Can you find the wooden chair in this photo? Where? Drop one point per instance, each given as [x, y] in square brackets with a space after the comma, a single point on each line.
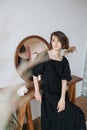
[82, 103]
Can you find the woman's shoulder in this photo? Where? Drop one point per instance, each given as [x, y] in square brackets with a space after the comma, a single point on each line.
[42, 56]
[65, 60]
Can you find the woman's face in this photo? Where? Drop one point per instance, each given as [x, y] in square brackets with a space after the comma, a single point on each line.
[56, 44]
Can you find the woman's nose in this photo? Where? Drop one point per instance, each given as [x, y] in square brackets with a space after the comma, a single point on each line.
[56, 43]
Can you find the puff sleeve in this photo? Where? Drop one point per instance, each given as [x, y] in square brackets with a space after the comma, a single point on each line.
[38, 69]
[66, 75]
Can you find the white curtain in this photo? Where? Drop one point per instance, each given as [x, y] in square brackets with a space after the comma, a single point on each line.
[84, 83]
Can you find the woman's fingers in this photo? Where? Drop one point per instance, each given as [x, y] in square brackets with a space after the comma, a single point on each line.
[60, 107]
[39, 98]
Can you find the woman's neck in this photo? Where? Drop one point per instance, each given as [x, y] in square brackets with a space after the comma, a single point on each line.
[56, 52]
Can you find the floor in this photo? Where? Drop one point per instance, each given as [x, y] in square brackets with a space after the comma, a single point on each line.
[36, 123]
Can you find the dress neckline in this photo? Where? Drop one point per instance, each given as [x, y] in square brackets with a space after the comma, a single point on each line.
[54, 59]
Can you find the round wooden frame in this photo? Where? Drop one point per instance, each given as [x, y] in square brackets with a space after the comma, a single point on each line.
[22, 43]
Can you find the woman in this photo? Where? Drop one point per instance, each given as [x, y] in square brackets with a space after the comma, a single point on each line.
[57, 112]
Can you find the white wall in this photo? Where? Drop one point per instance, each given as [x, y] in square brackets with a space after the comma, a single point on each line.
[21, 18]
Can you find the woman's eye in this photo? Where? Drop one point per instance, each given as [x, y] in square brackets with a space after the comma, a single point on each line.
[53, 40]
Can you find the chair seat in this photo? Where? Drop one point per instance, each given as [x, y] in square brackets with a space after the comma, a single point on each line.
[82, 103]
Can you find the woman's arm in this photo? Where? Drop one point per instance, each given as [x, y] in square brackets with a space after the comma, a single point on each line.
[37, 92]
[64, 88]
[61, 103]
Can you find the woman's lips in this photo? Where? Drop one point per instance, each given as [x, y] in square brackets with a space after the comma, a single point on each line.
[55, 46]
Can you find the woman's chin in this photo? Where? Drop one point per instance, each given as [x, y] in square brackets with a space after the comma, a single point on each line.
[56, 49]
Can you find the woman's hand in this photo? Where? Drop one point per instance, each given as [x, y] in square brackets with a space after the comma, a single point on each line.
[61, 105]
[38, 96]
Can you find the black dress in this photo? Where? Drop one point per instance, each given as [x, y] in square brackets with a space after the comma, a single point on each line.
[72, 118]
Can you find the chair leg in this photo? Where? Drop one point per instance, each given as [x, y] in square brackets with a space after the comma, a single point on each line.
[29, 117]
[72, 93]
[21, 116]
